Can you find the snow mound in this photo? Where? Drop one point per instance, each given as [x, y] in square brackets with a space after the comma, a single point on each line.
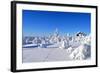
[53, 46]
[81, 53]
[42, 46]
[70, 50]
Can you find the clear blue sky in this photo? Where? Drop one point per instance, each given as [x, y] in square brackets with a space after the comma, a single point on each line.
[40, 23]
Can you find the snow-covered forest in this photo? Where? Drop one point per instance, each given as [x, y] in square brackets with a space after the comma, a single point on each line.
[76, 46]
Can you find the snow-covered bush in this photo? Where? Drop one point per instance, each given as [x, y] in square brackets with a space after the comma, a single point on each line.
[82, 52]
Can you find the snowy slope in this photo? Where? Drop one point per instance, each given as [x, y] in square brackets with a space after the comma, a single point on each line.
[58, 48]
[44, 54]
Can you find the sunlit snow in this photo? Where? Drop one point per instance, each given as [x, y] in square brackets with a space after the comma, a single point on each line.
[56, 47]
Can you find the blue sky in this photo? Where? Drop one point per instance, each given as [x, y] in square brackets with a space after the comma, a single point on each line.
[40, 23]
